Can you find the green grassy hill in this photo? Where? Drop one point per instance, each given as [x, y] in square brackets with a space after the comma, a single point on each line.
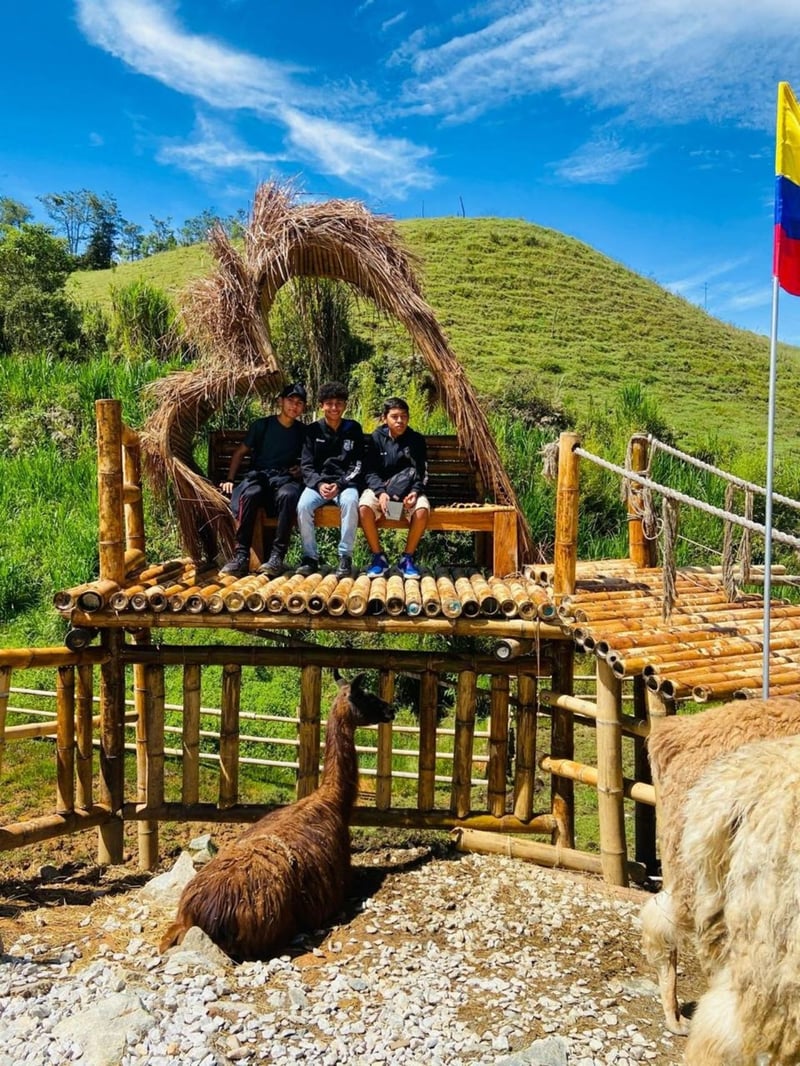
[527, 306]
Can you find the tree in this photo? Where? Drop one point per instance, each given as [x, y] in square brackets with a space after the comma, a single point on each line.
[31, 255]
[79, 213]
[195, 229]
[13, 213]
[129, 243]
[162, 237]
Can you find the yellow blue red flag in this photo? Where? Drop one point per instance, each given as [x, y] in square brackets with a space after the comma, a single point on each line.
[786, 250]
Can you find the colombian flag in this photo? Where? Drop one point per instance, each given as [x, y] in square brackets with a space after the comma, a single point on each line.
[786, 253]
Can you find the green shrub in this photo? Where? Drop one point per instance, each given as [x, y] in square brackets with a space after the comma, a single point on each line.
[143, 323]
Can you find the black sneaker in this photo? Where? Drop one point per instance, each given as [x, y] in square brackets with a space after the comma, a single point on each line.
[345, 567]
[238, 564]
[308, 565]
[273, 567]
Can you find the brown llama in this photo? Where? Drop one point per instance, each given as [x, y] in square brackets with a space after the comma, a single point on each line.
[289, 872]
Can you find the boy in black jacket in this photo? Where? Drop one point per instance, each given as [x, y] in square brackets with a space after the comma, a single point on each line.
[331, 466]
[273, 481]
[396, 464]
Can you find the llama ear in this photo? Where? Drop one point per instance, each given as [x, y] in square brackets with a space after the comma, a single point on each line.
[357, 684]
[338, 677]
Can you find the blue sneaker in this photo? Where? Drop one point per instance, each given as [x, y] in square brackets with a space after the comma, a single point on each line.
[407, 566]
[378, 566]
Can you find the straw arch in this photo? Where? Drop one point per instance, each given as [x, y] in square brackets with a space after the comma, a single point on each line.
[227, 314]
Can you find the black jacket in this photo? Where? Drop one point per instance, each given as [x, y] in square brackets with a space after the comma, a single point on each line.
[387, 455]
[333, 456]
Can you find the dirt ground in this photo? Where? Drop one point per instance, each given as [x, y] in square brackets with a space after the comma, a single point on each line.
[49, 890]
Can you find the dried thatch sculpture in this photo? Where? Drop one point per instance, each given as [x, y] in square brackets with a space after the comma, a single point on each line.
[226, 316]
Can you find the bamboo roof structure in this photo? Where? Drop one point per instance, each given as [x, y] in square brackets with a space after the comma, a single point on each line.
[226, 316]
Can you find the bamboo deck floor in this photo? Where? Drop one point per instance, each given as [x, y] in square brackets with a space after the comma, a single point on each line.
[708, 649]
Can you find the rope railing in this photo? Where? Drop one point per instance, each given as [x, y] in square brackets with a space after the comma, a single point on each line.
[741, 483]
[682, 497]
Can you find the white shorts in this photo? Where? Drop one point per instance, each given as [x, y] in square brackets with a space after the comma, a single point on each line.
[369, 499]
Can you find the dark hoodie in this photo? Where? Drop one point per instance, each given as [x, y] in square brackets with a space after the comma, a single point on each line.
[387, 455]
[333, 455]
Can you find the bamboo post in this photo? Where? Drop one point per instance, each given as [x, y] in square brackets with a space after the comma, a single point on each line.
[154, 757]
[525, 771]
[644, 816]
[112, 748]
[309, 730]
[84, 713]
[610, 805]
[229, 736]
[110, 490]
[640, 549]
[383, 773]
[5, 690]
[146, 830]
[65, 740]
[428, 699]
[132, 470]
[562, 745]
[190, 767]
[498, 745]
[565, 550]
[461, 790]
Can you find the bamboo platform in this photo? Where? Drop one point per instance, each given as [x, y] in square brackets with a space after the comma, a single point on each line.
[709, 648]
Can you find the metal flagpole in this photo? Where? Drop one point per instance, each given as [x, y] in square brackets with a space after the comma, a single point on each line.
[773, 374]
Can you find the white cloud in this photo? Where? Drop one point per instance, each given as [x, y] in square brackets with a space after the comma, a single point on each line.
[704, 273]
[145, 35]
[664, 61]
[215, 148]
[602, 161]
[393, 21]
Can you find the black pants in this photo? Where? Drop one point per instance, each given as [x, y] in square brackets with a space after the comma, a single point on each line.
[278, 496]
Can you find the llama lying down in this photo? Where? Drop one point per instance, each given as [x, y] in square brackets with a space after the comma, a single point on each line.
[290, 872]
[684, 751]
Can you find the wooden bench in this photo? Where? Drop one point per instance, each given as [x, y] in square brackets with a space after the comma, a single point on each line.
[455, 490]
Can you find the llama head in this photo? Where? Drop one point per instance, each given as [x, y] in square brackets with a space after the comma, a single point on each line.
[368, 709]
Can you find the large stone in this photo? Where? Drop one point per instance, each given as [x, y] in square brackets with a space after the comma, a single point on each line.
[106, 1027]
[167, 887]
[552, 1051]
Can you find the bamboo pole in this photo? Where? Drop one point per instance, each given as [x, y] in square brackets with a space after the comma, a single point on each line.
[147, 831]
[84, 726]
[431, 604]
[465, 593]
[525, 765]
[229, 735]
[460, 794]
[96, 597]
[395, 595]
[498, 745]
[134, 511]
[640, 549]
[383, 774]
[727, 688]
[562, 746]
[358, 597]
[448, 598]
[376, 597]
[308, 735]
[297, 600]
[112, 748]
[5, 691]
[413, 597]
[644, 816]
[588, 775]
[629, 725]
[505, 601]
[337, 601]
[565, 551]
[65, 740]
[190, 763]
[318, 600]
[48, 826]
[610, 807]
[108, 414]
[532, 851]
[428, 706]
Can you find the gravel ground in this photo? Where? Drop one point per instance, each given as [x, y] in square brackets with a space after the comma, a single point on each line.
[461, 959]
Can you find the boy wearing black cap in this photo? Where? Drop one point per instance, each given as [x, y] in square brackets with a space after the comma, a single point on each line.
[273, 482]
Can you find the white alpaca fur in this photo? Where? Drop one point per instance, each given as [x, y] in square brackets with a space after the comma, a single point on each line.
[741, 839]
[682, 750]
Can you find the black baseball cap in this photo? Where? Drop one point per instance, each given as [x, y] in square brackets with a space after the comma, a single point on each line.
[294, 389]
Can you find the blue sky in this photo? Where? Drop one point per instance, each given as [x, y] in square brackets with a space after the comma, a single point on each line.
[645, 128]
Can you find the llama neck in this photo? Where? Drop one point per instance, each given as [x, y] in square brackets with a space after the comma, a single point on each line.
[340, 771]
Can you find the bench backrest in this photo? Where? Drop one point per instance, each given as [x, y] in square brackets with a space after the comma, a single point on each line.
[451, 476]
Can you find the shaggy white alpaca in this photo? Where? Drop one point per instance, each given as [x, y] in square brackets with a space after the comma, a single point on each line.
[741, 840]
[683, 748]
